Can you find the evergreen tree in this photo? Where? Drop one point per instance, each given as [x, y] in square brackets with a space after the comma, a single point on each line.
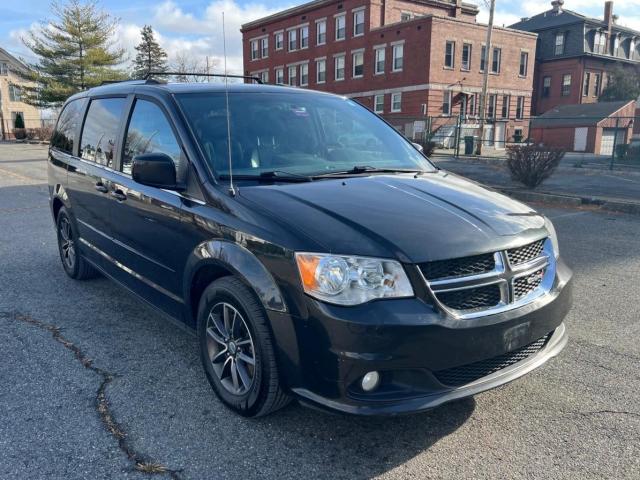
[150, 57]
[76, 50]
[624, 84]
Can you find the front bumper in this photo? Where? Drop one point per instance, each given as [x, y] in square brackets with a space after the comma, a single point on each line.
[324, 355]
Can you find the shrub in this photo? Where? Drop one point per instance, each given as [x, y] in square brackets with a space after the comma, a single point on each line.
[41, 133]
[19, 121]
[532, 164]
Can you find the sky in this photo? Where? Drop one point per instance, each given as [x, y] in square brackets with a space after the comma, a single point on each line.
[194, 27]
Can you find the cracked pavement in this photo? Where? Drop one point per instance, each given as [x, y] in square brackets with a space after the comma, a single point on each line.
[576, 417]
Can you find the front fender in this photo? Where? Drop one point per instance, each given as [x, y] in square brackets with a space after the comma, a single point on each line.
[237, 259]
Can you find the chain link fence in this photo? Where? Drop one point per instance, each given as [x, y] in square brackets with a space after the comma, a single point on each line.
[587, 140]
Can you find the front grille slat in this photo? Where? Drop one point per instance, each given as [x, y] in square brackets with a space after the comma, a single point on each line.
[522, 286]
[526, 253]
[471, 298]
[457, 376]
[458, 267]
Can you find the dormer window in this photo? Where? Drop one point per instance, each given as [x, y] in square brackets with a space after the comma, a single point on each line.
[599, 42]
[559, 45]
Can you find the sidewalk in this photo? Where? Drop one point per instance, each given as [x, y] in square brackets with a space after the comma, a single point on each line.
[609, 190]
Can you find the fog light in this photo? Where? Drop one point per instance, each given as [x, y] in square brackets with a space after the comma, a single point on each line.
[370, 381]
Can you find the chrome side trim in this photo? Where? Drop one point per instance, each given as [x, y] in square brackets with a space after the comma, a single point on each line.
[125, 246]
[132, 272]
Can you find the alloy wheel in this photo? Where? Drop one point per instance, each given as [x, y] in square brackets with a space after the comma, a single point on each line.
[67, 245]
[231, 349]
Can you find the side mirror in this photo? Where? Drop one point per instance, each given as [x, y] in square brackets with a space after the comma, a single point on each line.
[418, 147]
[155, 170]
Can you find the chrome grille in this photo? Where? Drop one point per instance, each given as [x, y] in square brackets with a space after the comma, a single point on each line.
[457, 376]
[471, 298]
[480, 285]
[524, 254]
[522, 286]
[457, 267]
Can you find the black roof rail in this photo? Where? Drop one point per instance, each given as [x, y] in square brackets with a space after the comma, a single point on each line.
[135, 82]
[185, 74]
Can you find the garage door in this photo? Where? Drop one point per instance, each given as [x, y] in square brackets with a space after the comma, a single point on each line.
[608, 139]
[580, 139]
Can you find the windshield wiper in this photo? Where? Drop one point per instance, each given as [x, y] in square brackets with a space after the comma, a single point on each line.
[363, 169]
[272, 175]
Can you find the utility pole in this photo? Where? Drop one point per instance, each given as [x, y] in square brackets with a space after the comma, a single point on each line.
[485, 76]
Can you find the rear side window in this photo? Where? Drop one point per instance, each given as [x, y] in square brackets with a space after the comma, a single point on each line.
[64, 135]
[98, 142]
[149, 131]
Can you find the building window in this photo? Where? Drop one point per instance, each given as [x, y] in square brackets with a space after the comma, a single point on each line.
[466, 56]
[254, 49]
[506, 100]
[264, 76]
[358, 64]
[293, 40]
[15, 94]
[304, 74]
[491, 106]
[321, 32]
[449, 54]
[293, 75]
[473, 101]
[483, 58]
[358, 23]
[497, 58]
[524, 63]
[405, 16]
[599, 42]
[615, 47]
[566, 84]
[398, 57]
[321, 71]
[546, 86]
[379, 64]
[586, 84]
[596, 84]
[279, 40]
[378, 103]
[396, 102]
[304, 37]
[520, 108]
[632, 48]
[280, 76]
[341, 30]
[4, 68]
[446, 102]
[339, 67]
[264, 47]
[559, 46]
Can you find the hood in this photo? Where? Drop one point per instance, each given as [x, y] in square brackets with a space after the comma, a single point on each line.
[435, 216]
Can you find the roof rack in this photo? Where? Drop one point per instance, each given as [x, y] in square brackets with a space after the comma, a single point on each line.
[150, 81]
[190, 74]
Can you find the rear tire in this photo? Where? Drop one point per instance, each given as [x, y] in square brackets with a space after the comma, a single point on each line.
[73, 263]
[233, 334]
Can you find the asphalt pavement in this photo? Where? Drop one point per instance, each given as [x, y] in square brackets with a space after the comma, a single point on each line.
[95, 384]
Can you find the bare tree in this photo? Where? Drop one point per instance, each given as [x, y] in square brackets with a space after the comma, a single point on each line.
[184, 62]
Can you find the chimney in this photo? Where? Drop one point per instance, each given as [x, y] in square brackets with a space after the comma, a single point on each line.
[557, 6]
[608, 14]
[458, 10]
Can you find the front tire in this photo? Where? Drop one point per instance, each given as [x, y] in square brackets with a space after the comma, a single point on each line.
[73, 263]
[237, 350]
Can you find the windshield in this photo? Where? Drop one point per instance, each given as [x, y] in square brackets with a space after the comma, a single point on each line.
[294, 133]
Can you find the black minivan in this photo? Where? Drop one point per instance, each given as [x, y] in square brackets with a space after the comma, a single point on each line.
[317, 253]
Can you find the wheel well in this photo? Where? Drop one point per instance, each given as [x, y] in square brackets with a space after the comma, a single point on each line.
[57, 205]
[201, 280]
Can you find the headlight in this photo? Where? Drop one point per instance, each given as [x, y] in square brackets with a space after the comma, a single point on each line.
[349, 280]
[554, 237]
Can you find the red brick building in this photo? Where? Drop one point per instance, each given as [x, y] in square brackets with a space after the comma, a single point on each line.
[576, 54]
[400, 58]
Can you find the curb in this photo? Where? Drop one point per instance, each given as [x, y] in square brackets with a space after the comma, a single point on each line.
[572, 201]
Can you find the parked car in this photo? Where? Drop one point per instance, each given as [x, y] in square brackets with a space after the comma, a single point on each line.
[355, 280]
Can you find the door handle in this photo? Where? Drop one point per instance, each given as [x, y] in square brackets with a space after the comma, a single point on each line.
[101, 187]
[119, 195]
